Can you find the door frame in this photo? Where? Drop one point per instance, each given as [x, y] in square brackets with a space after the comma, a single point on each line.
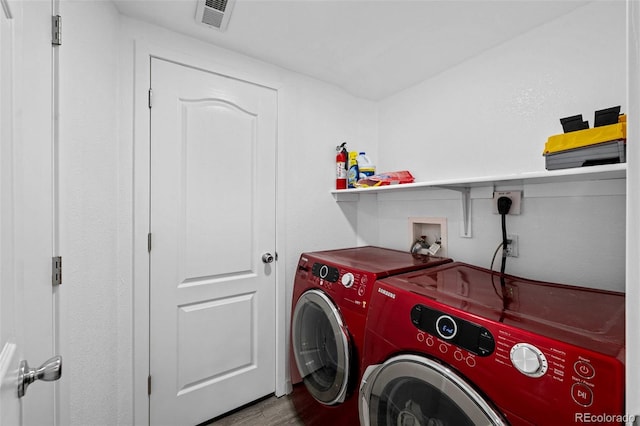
[140, 211]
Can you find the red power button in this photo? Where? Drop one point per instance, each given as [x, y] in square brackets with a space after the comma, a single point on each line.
[582, 394]
[584, 369]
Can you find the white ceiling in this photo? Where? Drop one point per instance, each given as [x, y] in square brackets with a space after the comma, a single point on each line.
[370, 48]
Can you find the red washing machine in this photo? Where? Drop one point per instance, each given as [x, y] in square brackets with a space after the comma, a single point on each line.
[330, 302]
[460, 345]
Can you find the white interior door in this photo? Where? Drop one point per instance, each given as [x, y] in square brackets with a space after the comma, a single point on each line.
[212, 301]
[26, 205]
[10, 335]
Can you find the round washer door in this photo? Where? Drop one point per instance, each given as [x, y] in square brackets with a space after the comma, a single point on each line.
[321, 347]
[413, 390]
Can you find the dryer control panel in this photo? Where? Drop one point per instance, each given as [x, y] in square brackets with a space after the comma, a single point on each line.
[462, 333]
[325, 272]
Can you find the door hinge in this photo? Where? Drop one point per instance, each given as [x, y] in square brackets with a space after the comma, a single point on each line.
[150, 97]
[149, 385]
[56, 270]
[149, 242]
[56, 30]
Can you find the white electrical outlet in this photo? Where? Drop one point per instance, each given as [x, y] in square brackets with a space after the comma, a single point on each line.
[512, 246]
[515, 197]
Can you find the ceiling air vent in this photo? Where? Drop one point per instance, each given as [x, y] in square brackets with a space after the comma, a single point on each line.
[214, 13]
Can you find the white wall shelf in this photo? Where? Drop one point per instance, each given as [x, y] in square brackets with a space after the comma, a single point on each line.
[464, 185]
[610, 171]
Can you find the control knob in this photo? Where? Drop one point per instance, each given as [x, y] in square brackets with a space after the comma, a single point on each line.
[347, 280]
[528, 360]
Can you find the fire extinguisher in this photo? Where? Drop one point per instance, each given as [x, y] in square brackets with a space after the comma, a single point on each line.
[341, 166]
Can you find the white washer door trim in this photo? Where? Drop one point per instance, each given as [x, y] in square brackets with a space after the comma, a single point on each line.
[321, 347]
[377, 377]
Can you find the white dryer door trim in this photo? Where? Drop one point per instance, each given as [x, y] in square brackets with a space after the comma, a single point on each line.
[410, 389]
[321, 347]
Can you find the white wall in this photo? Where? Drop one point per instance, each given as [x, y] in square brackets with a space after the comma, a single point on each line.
[88, 311]
[492, 115]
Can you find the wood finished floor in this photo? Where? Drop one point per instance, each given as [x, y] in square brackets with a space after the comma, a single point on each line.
[270, 411]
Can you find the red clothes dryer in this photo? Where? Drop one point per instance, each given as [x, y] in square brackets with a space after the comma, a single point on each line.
[330, 302]
[460, 345]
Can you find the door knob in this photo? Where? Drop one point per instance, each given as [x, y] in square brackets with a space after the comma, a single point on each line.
[267, 258]
[50, 371]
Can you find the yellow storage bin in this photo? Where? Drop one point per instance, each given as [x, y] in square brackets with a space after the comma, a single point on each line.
[582, 138]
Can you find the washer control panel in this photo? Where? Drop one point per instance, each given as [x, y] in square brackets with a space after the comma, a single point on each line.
[462, 333]
[351, 287]
[325, 272]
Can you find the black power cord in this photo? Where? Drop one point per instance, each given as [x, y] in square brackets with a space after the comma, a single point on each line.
[504, 205]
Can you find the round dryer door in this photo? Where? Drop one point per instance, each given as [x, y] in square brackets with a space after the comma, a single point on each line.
[412, 390]
[321, 347]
